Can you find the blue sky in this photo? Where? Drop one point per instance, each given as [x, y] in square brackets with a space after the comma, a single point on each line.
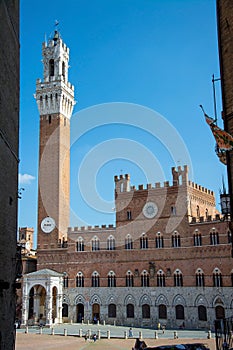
[156, 54]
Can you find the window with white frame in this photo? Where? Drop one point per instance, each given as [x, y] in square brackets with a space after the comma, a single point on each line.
[217, 278]
[160, 279]
[143, 241]
[129, 281]
[80, 245]
[214, 238]
[197, 239]
[175, 240]
[111, 243]
[178, 279]
[145, 280]
[128, 242]
[200, 278]
[79, 279]
[95, 279]
[111, 279]
[95, 243]
[159, 240]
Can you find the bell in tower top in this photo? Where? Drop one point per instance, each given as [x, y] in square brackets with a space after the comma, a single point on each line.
[55, 94]
[55, 58]
[56, 36]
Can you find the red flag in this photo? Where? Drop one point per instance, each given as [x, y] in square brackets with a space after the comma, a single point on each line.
[223, 139]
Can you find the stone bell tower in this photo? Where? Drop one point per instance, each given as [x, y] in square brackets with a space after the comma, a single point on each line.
[55, 101]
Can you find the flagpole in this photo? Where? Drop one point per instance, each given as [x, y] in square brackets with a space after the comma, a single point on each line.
[214, 96]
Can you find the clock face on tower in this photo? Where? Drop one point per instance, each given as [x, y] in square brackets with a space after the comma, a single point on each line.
[47, 225]
[150, 210]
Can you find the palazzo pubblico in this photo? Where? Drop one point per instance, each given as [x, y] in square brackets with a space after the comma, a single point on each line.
[167, 259]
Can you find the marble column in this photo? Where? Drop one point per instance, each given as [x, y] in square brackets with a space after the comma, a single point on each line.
[36, 306]
[25, 302]
[59, 308]
[49, 305]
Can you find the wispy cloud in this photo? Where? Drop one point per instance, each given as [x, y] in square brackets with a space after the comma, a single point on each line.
[26, 178]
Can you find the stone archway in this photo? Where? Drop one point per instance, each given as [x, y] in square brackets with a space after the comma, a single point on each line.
[42, 297]
[95, 313]
[36, 302]
[80, 312]
[219, 312]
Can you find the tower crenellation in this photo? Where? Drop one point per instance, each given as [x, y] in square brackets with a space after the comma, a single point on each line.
[179, 178]
[122, 183]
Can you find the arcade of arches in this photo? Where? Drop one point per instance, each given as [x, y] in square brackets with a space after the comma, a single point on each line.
[44, 303]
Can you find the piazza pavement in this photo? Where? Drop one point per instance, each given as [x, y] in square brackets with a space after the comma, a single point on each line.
[72, 337]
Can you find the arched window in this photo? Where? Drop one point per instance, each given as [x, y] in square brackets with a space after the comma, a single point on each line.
[206, 214]
[202, 313]
[79, 279]
[159, 240]
[129, 215]
[128, 242]
[129, 279]
[197, 241]
[163, 311]
[95, 243]
[145, 311]
[214, 239]
[95, 279]
[65, 280]
[179, 312]
[229, 237]
[173, 210]
[111, 279]
[64, 310]
[143, 241]
[51, 68]
[80, 245]
[217, 278]
[112, 310]
[63, 69]
[160, 279]
[111, 243]
[145, 280]
[200, 278]
[130, 311]
[175, 239]
[219, 312]
[178, 279]
[198, 212]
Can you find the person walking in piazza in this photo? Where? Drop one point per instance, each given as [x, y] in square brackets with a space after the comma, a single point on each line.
[163, 328]
[130, 333]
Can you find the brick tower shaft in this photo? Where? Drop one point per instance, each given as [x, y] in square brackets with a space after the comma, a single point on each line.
[55, 100]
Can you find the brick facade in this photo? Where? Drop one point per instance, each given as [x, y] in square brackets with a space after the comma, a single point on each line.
[173, 248]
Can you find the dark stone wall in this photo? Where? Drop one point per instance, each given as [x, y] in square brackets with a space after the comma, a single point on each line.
[9, 126]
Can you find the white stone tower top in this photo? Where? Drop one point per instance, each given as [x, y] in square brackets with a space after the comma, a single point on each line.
[55, 94]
